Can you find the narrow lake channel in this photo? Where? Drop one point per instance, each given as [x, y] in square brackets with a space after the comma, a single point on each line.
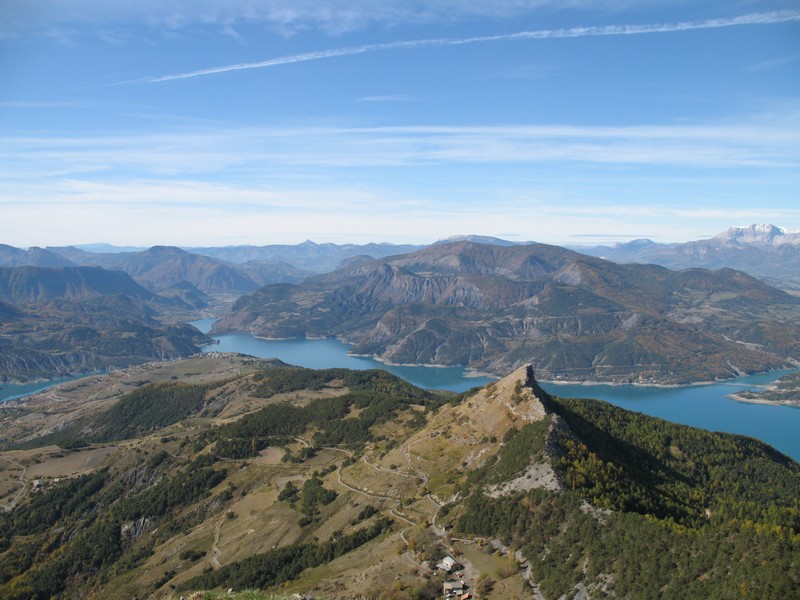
[705, 406]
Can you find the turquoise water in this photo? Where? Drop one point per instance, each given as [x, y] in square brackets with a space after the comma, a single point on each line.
[705, 406]
[11, 391]
[328, 353]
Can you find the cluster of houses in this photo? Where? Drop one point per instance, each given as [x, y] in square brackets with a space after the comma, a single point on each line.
[454, 587]
[40, 484]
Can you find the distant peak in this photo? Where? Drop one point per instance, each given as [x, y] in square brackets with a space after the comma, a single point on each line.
[166, 250]
[638, 243]
[760, 233]
[476, 239]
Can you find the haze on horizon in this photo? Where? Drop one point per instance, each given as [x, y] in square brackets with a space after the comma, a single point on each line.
[206, 123]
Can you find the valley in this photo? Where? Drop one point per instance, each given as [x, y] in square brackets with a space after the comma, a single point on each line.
[471, 302]
[218, 470]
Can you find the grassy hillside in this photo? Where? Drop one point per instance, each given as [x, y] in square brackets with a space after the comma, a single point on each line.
[344, 484]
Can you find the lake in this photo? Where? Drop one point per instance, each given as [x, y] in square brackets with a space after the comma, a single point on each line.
[705, 406]
[11, 391]
[328, 353]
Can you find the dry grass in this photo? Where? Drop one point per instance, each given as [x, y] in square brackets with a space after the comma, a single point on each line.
[82, 398]
[270, 456]
[73, 464]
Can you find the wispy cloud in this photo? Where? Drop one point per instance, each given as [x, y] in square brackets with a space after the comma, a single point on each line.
[36, 104]
[286, 17]
[144, 212]
[763, 18]
[766, 142]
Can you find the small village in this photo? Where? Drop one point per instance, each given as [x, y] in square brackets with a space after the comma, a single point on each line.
[454, 586]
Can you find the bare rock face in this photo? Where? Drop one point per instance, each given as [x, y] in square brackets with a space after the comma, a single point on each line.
[517, 393]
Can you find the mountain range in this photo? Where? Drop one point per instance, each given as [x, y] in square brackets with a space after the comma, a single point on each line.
[764, 251]
[32, 257]
[213, 271]
[162, 268]
[229, 473]
[573, 316]
[478, 301]
[309, 256]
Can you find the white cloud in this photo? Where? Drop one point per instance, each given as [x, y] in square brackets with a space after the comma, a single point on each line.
[774, 62]
[772, 141]
[196, 213]
[765, 18]
[549, 183]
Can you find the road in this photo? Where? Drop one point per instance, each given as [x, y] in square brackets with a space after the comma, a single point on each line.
[24, 482]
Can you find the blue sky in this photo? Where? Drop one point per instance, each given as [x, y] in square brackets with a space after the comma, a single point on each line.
[210, 122]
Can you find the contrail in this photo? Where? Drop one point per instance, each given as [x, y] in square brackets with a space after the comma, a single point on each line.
[765, 18]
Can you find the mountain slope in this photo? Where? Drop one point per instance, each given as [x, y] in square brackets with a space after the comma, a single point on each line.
[55, 321]
[575, 317]
[164, 267]
[33, 257]
[22, 285]
[377, 477]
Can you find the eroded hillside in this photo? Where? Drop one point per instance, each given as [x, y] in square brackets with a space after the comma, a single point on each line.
[575, 317]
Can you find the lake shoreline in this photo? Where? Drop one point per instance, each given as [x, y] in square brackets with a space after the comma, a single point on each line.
[45, 383]
[472, 372]
[764, 402]
[703, 404]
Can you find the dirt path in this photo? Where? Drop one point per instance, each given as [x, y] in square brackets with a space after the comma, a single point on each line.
[24, 482]
[470, 572]
[393, 511]
[421, 474]
[392, 472]
[215, 551]
[358, 491]
[396, 514]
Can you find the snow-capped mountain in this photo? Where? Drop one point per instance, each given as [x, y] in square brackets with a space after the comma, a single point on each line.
[761, 235]
[765, 251]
